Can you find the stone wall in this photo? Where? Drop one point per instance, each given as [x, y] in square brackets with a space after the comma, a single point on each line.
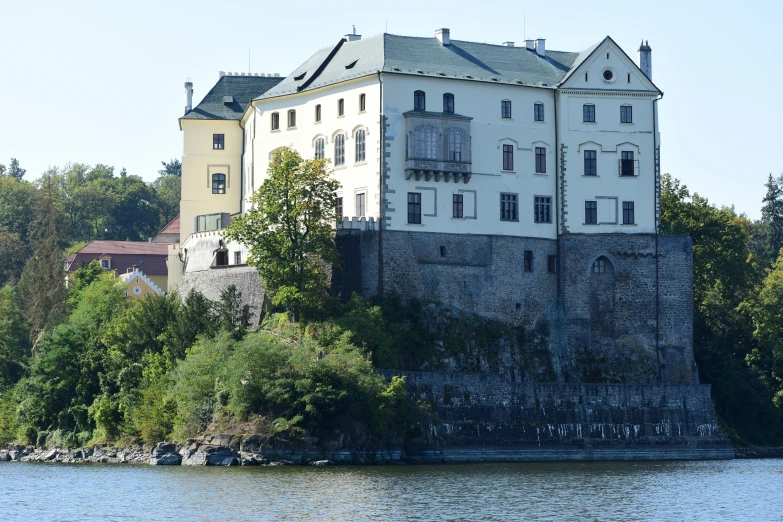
[212, 281]
[485, 417]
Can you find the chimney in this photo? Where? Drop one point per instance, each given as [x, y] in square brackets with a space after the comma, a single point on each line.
[530, 44]
[443, 36]
[189, 95]
[508, 44]
[645, 59]
[541, 47]
[352, 37]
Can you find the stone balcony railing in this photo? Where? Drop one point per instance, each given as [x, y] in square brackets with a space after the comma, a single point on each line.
[438, 170]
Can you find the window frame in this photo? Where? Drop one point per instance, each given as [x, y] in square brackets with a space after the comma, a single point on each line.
[218, 141]
[538, 111]
[219, 183]
[505, 109]
[591, 164]
[626, 113]
[419, 96]
[238, 258]
[318, 113]
[540, 154]
[360, 155]
[275, 121]
[291, 120]
[458, 206]
[509, 206]
[542, 209]
[362, 103]
[627, 155]
[588, 113]
[551, 264]
[527, 261]
[320, 148]
[629, 213]
[591, 212]
[338, 208]
[414, 208]
[448, 103]
[339, 150]
[508, 157]
[360, 203]
[341, 107]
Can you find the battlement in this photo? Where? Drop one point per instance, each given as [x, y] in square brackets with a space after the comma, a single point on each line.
[357, 223]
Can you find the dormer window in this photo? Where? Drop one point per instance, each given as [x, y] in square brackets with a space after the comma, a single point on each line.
[218, 141]
[448, 103]
[341, 107]
[419, 101]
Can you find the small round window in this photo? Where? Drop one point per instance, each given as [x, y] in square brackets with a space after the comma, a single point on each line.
[608, 75]
[137, 290]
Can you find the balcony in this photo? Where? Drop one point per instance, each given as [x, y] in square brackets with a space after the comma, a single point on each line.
[438, 170]
[628, 168]
[437, 147]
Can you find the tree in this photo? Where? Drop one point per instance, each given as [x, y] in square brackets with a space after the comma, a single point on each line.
[288, 230]
[15, 171]
[171, 168]
[232, 315]
[771, 225]
[14, 338]
[166, 192]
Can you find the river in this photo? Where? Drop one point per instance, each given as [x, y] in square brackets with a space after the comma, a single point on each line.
[707, 490]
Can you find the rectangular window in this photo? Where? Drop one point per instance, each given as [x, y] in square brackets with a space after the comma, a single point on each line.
[626, 114]
[414, 208]
[542, 209]
[628, 213]
[588, 113]
[105, 263]
[339, 209]
[505, 109]
[591, 163]
[237, 258]
[626, 163]
[508, 207]
[360, 208]
[541, 160]
[551, 264]
[528, 260]
[218, 141]
[318, 113]
[362, 103]
[591, 212]
[275, 121]
[508, 157]
[538, 112]
[457, 207]
[341, 107]
[291, 119]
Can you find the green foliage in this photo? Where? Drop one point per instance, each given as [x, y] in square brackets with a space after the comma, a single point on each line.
[288, 229]
[769, 236]
[14, 338]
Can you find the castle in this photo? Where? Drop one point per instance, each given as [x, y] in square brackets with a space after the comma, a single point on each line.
[515, 182]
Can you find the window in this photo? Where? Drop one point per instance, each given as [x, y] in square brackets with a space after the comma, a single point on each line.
[599, 265]
[528, 263]
[360, 145]
[508, 207]
[505, 109]
[448, 103]
[457, 207]
[360, 208]
[291, 119]
[339, 150]
[588, 113]
[608, 75]
[508, 157]
[218, 183]
[541, 160]
[591, 212]
[551, 264]
[362, 102]
[591, 163]
[455, 140]
[414, 208]
[419, 101]
[275, 121]
[237, 258]
[542, 209]
[442, 251]
[626, 163]
[626, 114]
[319, 148]
[339, 208]
[218, 141]
[318, 113]
[628, 214]
[538, 112]
[105, 264]
[425, 142]
[341, 107]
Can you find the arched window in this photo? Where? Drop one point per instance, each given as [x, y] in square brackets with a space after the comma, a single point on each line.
[456, 144]
[319, 148]
[291, 119]
[360, 135]
[275, 121]
[318, 113]
[419, 101]
[339, 150]
[425, 142]
[602, 265]
[448, 103]
[218, 183]
[362, 102]
[341, 107]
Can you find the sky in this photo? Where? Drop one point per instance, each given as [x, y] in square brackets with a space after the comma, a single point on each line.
[102, 82]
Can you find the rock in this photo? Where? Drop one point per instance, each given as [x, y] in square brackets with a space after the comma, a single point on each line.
[322, 463]
[166, 459]
[50, 455]
[4, 456]
[165, 447]
[281, 463]
[230, 461]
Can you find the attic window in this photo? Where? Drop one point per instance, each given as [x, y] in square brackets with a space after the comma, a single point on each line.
[396, 69]
[469, 77]
[350, 65]
[494, 79]
[441, 74]
[420, 72]
[228, 100]
[297, 78]
[520, 82]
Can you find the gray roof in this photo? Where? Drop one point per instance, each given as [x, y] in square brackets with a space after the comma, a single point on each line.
[240, 90]
[427, 57]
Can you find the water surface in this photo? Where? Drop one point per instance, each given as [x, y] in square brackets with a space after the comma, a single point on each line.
[710, 490]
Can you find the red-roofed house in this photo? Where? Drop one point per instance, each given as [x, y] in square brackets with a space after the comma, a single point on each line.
[123, 256]
[169, 233]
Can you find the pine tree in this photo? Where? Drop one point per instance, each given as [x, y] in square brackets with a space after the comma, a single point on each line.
[771, 226]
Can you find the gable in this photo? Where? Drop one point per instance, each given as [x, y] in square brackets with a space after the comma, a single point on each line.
[607, 67]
